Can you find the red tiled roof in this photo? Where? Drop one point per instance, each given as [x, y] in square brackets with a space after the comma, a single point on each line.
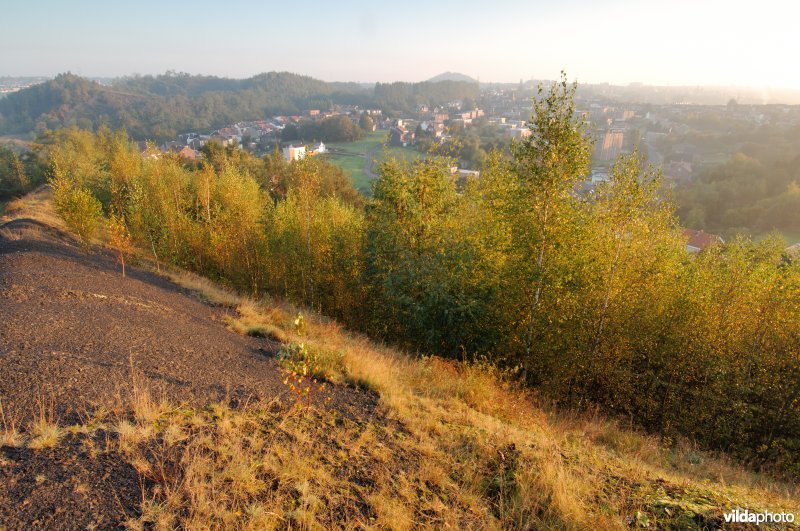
[701, 239]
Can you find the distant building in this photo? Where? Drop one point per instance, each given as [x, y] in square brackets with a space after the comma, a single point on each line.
[465, 173]
[612, 144]
[294, 152]
[698, 240]
[187, 153]
[598, 176]
[400, 137]
[518, 133]
[319, 149]
[678, 171]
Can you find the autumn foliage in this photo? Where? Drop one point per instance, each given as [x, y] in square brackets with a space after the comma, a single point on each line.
[591, 297]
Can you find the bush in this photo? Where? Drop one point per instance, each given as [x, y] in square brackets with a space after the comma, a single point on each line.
[80, 211]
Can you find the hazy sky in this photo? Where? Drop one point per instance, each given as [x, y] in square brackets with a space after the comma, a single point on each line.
[754, 42]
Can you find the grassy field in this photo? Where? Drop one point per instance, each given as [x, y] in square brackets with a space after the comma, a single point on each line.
[352, 157]
[791, 237]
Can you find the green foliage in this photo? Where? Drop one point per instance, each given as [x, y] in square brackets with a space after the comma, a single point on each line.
[161, 107]
[757, 191]
[338, 128]
[302, 368]
[79, 209]
[406, 96]
[366, 122]
[19, 172]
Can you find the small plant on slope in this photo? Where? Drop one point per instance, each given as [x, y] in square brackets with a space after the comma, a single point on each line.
[301, 368]
[119, 239]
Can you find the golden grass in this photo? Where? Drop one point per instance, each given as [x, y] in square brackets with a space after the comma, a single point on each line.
[37, 205]
[44, 434]
[512, 461]
[204, 288]
[10, 435]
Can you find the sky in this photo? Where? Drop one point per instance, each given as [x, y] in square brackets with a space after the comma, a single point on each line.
[657, 42]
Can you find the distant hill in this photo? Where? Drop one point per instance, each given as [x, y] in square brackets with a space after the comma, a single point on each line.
[452, 76]
[160, 107]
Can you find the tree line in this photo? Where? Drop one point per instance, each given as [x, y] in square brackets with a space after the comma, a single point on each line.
[339, 128]
[593, 299]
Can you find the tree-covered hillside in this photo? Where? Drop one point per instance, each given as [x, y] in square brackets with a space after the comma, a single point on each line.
[160, 107]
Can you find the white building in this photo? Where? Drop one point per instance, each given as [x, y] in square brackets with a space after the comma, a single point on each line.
[294, 152]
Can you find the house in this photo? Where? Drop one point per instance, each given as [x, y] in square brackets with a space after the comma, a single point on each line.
[598, 176]
[400, 137]
[187, 153]
[678, 171]
[436, 130]
[464, 173]
[319, 149]
[294, 152]
[518, 133]
[698, 240]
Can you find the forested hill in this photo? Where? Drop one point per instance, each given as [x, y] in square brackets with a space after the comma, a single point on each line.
[160, 107]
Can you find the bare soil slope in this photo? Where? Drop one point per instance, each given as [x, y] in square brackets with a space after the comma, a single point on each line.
[71, 329]
[72, 326]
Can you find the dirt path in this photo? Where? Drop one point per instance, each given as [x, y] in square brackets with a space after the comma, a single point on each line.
[369, 163]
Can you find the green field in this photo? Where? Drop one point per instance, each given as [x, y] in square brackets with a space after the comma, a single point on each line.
[359, 158]
[791, 237]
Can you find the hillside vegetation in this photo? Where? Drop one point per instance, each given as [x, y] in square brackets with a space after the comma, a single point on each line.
[451, 444]
[593, 300]
[158, 108]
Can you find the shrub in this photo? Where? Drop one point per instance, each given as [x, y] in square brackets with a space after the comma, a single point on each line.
[80, 211]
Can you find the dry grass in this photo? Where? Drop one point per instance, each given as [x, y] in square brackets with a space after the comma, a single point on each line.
[44, 434]
[10, 435]
[37, 205]
[204, 288]
[511, 461]
[266, 466]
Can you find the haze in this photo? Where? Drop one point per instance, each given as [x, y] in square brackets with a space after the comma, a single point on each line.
[677, 42]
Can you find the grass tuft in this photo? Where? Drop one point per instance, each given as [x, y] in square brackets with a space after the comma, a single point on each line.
[44, 434]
